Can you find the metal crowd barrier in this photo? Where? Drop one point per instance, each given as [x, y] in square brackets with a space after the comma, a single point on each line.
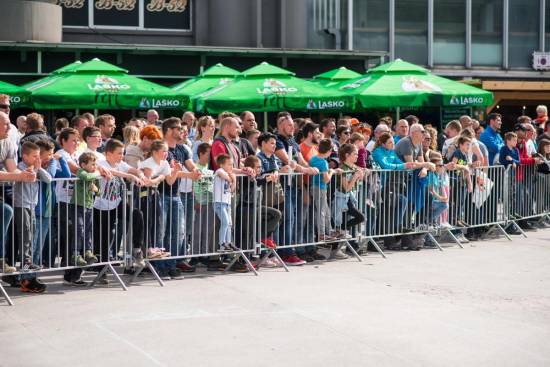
[43, 237]
[169, 224]
[528, 195]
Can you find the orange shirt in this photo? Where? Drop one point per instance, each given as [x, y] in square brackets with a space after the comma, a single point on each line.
[308, 151]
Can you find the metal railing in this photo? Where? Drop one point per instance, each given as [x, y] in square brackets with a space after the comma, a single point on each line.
[161, 228]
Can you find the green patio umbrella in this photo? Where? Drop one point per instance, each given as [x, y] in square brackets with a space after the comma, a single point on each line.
[335, 76]
[268, 88]
[402, 84]
[210, 78]
[19, 97]
[99, 85]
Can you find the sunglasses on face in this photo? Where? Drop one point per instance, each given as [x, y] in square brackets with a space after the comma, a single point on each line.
[4, 106]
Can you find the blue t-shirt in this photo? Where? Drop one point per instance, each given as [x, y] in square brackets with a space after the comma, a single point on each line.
[322, 165]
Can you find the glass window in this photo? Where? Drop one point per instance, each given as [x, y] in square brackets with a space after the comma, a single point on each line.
[524, 32]
[487, 32]
[449, 32]
[371, 25]
[411, 31]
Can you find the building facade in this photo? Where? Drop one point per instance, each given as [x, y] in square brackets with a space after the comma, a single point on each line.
[489, 42]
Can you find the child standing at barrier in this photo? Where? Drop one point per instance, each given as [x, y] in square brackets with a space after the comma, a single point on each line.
[346, 214]
[224, 185]
[81, 209]
[155, 169]
[437, 183]
[57, 167]
[267, 217]
[319, 187]
[462, 162]
[203, 225]
[509, 153]
[25, 199]
[108, 205]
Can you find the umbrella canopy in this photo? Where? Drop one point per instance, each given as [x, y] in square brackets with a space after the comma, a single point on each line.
[99, 85]
[19, 97]
[269, 88]
[335, 76]
[402, 84]
[210, 78]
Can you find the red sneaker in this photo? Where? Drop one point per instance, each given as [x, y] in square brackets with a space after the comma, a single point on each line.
[293, 260]
[269, 243]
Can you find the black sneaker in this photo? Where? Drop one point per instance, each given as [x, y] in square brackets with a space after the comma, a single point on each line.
[163, 274]
[215, 266]
[308, 258]
[239, 267]
[12, 280]
[75, 282]
[32, 286]
[175, 274]
[318, 257]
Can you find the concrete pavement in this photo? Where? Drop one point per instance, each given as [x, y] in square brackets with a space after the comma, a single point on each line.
[485, 305]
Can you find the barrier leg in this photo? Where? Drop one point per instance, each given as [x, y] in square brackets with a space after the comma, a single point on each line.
[6, 296]
[109, 267]
[518, 227]
[352, 250]
[454, 238]
[240, 255]
[434, 241]
[504, 232]
[151, 269]
[276, 255]
[373, 242]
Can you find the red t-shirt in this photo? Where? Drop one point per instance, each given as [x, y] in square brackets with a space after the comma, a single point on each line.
[218, 148]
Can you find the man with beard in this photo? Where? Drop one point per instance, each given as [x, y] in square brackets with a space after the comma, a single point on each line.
[224, 144]
[491, 136]
[106, 124]
[288, 152]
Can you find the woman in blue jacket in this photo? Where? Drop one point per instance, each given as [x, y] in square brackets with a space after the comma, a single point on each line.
[393, 184]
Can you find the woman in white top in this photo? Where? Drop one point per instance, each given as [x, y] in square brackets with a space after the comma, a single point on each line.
[205, 134]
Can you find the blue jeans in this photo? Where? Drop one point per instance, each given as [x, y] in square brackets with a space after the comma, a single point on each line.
[223, 211]
[173, 219]
[171, 230]
[5, 219]
[400, 209]
[187, 201]
[438, 207]
[290, 220]
[41, 230]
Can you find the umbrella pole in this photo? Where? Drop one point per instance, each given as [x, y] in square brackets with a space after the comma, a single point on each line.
[265, 121]
[397, 113]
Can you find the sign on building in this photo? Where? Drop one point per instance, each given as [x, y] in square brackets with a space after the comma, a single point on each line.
[141, 15]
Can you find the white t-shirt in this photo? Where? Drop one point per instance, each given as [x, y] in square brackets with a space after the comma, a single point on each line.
[64, 189]
[110, 192]
[99, 156]
[222, 189]
[370, 146]
[186, 184]
[156, 169]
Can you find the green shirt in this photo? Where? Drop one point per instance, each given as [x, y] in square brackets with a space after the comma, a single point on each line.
[203, 187]
[83, 194]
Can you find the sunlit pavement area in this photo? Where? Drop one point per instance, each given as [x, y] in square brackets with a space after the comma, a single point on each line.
[485, 305]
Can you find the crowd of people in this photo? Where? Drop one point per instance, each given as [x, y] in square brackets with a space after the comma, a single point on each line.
[200, 186]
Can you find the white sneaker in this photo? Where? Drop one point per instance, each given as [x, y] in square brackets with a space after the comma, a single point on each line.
[337, 255]
[269, 263]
